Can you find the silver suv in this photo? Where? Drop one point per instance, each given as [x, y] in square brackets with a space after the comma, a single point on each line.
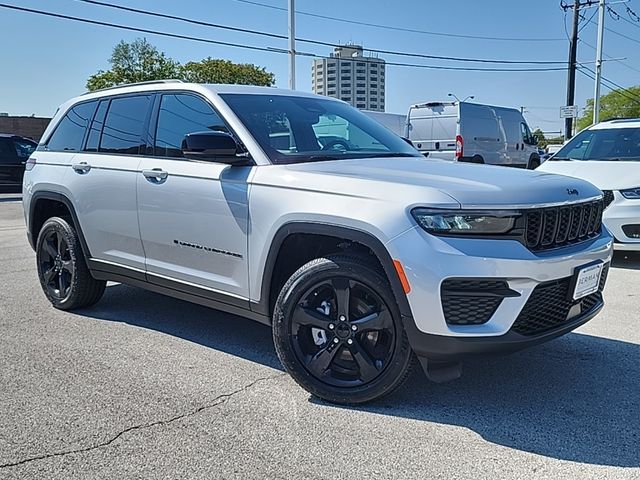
[302, 213]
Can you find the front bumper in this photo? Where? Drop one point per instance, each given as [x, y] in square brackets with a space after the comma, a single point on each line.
[441, 258]
[450, 349]
[620, 213]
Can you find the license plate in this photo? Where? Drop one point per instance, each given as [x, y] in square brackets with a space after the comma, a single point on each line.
[588, 280]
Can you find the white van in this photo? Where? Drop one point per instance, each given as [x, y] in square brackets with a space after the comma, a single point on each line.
[395, 122]
[470, 132]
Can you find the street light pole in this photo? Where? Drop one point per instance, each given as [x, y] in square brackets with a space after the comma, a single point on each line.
[292, 45]
[596, 95]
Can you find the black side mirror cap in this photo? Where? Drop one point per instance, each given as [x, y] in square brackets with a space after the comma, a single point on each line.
[213, 146]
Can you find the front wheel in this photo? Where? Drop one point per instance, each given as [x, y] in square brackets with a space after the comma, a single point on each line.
[534, 162]
[338, 331]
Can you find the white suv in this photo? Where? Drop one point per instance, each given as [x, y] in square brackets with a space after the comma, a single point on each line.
[608, 155]
[300, 212]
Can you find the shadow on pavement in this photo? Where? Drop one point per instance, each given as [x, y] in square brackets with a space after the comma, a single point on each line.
[576, 398]
[627, 260]
[221, 331]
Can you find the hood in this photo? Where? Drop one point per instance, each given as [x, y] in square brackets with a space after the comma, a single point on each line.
[604, 175]
[471, 185]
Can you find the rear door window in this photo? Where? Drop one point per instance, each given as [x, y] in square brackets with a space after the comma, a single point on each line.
[24, 148]
[123, 131]
[70, 132]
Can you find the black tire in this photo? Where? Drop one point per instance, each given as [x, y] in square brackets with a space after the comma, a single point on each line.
[62, 269]
[477, 159]
[534, 162]
[378, 358]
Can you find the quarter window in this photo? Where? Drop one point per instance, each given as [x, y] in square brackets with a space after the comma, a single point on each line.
[70, 132]
[179, 115]
[124, 125]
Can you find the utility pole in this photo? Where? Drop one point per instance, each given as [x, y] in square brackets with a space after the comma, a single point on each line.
[292, 45]
[571, 79]
[596, 95]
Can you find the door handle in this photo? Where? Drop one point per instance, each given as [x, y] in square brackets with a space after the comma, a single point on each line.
[155, 175]
[81, 168]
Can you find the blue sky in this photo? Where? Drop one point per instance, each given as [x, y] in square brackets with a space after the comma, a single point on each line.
[46, 61]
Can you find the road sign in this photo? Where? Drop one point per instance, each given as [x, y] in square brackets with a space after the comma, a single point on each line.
[569, 111]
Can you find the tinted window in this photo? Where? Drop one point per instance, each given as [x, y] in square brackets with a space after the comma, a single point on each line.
[24, 148]
[603, 144]
[93, 140]
[179, 115]
[7, 152]
[124, 125]
[70, 132]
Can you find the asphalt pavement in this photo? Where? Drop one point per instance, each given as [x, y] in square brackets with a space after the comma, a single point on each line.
[145, 386]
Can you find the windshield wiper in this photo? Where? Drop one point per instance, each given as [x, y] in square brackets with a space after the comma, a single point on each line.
[319, 158]
[393, 154]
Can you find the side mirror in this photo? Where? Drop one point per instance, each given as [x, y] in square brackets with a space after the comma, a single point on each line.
[535, 139]
[213, 146]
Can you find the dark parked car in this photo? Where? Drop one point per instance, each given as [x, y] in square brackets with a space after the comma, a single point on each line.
[14, 152]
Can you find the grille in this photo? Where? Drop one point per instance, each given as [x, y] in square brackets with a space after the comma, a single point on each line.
[608, 198]
[560, 226]
[549, 305]
[472, 302]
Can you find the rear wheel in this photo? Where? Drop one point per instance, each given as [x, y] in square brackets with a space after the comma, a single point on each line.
[62, 269]
[338, 331]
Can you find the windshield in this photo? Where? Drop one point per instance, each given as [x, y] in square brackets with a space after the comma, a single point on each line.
[301, 129]
[606, 144]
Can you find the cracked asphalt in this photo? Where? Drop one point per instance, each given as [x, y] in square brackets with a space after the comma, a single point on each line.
[145, 386]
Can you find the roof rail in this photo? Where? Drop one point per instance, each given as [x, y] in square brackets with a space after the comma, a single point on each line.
[622, 120]
[148, 82]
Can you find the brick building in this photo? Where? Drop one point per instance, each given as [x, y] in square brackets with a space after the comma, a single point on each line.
[30, 127]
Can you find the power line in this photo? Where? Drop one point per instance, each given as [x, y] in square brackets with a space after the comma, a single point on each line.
[628, 94]
[267, 49]
[402, 29]
[135, 29]
[615, 32]
[314, 42]
[610, 57]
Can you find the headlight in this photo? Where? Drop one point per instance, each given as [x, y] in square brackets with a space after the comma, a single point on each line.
[460, 222]
[631, 193]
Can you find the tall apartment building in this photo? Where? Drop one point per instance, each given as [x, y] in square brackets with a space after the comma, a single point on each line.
[352, 77]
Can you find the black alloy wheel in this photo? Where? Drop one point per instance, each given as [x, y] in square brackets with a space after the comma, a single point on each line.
[62, 268]
[338, 331]
[342, 332]
[56, 265]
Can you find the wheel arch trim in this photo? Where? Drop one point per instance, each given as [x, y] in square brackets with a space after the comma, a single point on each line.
[346, 233]
[58, 197]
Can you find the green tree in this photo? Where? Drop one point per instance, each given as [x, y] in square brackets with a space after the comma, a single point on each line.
[137, 61]
[211, 70]
[542, 141]
[615, 104]
[140, 61]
